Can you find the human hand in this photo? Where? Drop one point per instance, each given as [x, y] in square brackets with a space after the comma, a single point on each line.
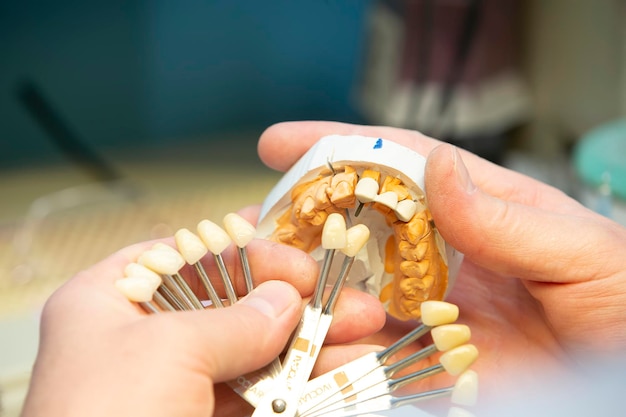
[543, 282]
[101, 355]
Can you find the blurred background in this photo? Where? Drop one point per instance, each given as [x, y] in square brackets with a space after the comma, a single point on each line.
[122, 121]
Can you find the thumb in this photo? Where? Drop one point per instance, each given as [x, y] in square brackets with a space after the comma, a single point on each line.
[249, 334]
[506, 236]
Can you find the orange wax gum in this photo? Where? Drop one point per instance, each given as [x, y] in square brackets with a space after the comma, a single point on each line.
[390, 255]
[421, 274]
[370, 173]
[395, 184]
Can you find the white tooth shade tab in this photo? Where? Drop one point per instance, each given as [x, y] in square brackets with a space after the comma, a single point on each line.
[190, 246]
[214, 237]
[449, 336]
[334, 232]
[356, 237]
[436, 313]
[457, 360]
[388, 199]
[162, 261]
[163, 246]
[136, 289]
[366, 190]
[134, 269]
[465, 390]
[239, 229]
[405, 210]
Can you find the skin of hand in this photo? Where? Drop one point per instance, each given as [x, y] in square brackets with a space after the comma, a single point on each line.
[543, 281]
[101, 355]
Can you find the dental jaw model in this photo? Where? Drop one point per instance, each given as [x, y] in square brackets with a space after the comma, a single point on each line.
[375, 182]
[362, 199]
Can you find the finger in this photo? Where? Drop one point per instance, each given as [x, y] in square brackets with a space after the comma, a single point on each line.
[281, 145]
[229, 403]
[268, 261]
[356, 315]
[244, 337]
[509, 237]
[331, 357]
[251, 213]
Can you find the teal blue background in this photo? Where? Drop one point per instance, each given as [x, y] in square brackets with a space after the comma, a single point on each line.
[156, 72]
[602, 152]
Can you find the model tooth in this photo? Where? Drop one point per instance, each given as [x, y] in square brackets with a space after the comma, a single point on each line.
[405, 210]
[213, 236]
[334, 232]
[459, 412]
[465, 390]
[449, 336]
[387, 199]
[356, 237]
[239, 229]
[190, 246]
[366, 190]
[136, 289]
[162, 261]
[457, 360]
[436, 313]
[134, 269]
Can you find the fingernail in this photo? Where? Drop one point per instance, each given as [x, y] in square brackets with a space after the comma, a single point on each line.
[462, 175]
[270, 298]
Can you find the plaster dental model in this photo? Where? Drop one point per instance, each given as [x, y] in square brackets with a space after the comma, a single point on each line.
[379, 183]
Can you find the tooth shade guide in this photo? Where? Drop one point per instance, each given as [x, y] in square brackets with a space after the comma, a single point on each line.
[166, 261]
[373, 391]
[162, 302]
[334, 232]
[466, 389]
[162, 246]
[367, 366]
[216, 240]
[169, 295]
[190, 246]
[239, 229]
[242, 233]
[356, 238]
[138, 270]
[139, 290]
[214, 237]
[208, 286]
[457, 360]
[449, 336]
[178, 295]
[136, 289]
[162, 261]
[193, 249]
[436, 313]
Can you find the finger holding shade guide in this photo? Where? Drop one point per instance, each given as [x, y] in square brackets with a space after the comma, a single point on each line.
[167, 262]
[134, 269]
